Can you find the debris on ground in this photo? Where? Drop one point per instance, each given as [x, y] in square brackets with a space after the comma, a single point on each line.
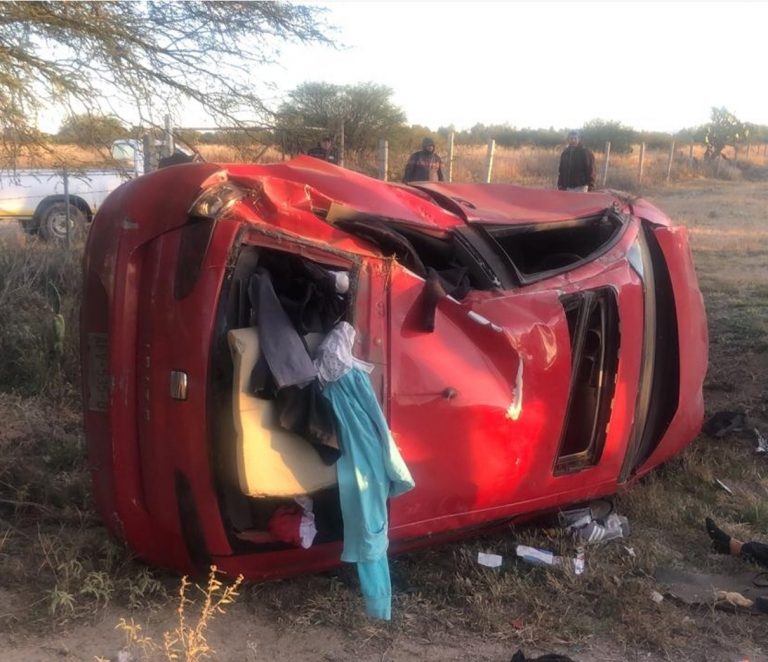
[657, 597]
[723, 486]
[724, 422]
[739, 591]
[735, 599]
[489, 560]
[537, 556]
[549, 657]
[762, 442]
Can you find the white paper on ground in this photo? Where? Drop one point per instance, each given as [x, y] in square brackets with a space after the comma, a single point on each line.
[533, 554]
[489, 560]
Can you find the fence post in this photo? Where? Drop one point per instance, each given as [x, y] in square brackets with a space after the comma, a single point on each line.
[489, 160]
[168, 147]
[735, 153]
[450, 156]
[690, 156]
[146, 142]
[341, 144]
[746, 158]
[640, 168]
[383, 159]
[669, 163]
[607, 159]
[66, 208]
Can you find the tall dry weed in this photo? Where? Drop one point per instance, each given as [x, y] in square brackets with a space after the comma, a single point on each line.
[39, 303]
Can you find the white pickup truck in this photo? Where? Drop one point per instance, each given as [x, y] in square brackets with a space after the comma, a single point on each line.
[36, 197]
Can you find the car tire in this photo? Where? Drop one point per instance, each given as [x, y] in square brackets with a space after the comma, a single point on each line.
[53, 222]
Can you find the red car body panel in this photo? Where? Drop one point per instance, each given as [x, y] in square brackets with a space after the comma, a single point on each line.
[480, 407]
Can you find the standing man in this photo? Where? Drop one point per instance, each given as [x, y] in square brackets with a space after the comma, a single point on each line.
[324, 150]
[577, 166]
[424, 165]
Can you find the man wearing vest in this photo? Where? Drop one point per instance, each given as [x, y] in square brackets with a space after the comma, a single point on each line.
[424, 165]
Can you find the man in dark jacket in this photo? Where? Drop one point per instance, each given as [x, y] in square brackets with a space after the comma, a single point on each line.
[324, 150]
[577, 166]
[424, 165]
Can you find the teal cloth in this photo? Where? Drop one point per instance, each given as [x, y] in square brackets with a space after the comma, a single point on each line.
[369, 471]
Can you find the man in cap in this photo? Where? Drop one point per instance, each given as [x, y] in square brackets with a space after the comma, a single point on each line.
[324, 150]
[577, 166]
[424, 165]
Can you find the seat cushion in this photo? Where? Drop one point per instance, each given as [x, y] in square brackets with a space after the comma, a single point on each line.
[270, 460]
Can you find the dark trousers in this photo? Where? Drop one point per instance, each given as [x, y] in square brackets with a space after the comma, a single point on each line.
[756, 552]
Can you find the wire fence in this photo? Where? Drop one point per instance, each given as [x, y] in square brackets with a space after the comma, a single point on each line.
[536, 166]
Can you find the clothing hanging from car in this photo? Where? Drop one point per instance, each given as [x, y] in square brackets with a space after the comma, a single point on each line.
[285, 373]
[369, 471]
[283, 351]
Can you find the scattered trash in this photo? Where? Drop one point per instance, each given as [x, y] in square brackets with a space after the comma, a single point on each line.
[657, 597]
[723, 422]
[630, 551]
[701, 589]
[549, 657]
[489, 560]
[723, 486]
[762, 442]
[536, 556]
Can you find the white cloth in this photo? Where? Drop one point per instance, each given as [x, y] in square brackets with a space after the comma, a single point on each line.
[333, 358]
[307, 528]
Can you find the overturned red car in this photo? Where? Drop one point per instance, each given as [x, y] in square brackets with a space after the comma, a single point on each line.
[530, 349]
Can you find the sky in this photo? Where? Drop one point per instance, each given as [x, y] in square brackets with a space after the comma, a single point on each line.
[652, 66]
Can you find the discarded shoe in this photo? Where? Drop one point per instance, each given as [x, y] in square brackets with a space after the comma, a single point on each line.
[613, 526]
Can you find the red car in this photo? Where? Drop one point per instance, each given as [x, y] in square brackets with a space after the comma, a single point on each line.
[531, 349]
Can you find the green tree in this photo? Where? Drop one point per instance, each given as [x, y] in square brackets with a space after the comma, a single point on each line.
[597, 131]
[94, 57]
[366, 109]
[723, 129]
[91, 130]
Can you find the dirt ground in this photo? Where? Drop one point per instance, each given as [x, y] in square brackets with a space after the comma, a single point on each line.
[608, 617]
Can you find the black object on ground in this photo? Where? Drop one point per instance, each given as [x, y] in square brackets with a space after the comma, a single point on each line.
[549, 657]
[723, 422]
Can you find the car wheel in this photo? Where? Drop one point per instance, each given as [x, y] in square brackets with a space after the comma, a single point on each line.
[53, 222]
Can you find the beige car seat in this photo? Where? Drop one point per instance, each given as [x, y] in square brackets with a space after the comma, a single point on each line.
[270, 461]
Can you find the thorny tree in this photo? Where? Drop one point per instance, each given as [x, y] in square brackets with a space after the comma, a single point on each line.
[102, 57]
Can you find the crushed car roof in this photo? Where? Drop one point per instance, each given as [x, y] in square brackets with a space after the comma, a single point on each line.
[509, 204]
[434, 204]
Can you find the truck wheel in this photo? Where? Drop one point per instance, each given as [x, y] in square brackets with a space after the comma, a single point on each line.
[53, 222]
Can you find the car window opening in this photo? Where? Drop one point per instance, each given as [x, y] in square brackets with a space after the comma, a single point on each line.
[594, 332]
[266, 441]
[454, 257]
[541, 250]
